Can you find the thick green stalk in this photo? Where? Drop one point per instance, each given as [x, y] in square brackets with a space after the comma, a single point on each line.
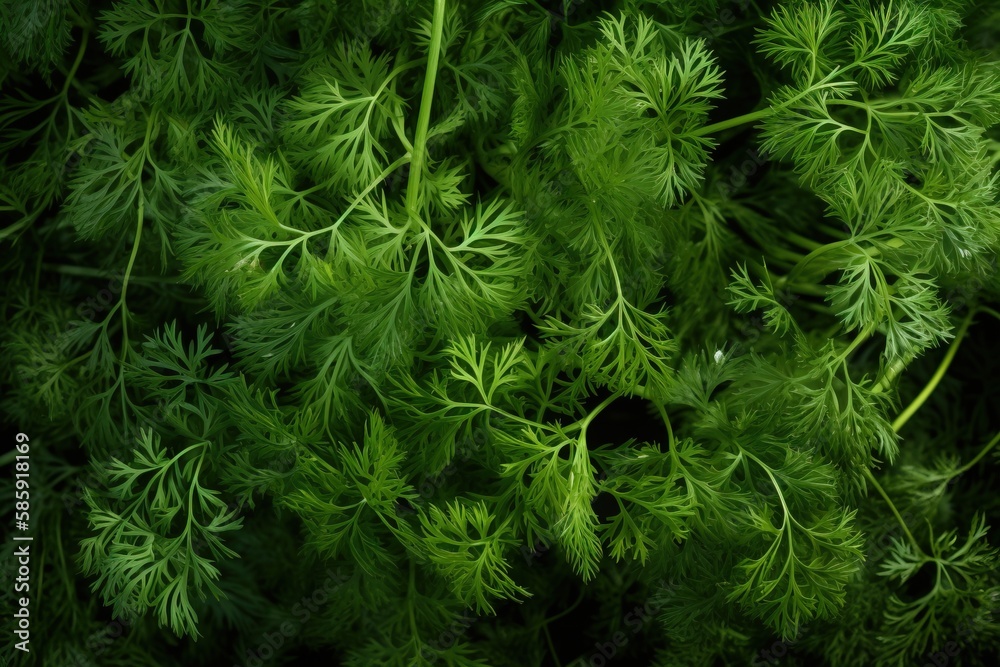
[424, 119]
[889, 376]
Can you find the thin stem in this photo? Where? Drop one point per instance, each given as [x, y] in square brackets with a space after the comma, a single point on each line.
[585, 422]
[807, 288]
[858, 340]
[480, 407]
[552, 647]
[76, 63]
[983, 452]
[802, 241]
[922, 397]
[87, 272]
[878, 487]
[751, 117]
[424, 119]
[989, 311]
[568, 610]
[666, 422]
[827, 82]
[128, 273]
[774, 483]
[544, 624]
[413, 592]
[805, 261]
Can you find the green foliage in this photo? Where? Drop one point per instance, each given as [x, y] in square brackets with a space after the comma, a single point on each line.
[455, 333]
[150, 531]
[965, 592]
[468, 549]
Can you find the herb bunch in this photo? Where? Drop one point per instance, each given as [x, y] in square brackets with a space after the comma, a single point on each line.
[512, 316]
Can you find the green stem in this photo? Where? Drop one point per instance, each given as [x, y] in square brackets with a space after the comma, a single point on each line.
[858, 340]
[811, 257]
[409, 603]
[71, 76]
[802, 241]
[87, 272]
[543, 625]
[983, 452]
[666, 422]
[128, 273]
[782, 283]
[786, 256]
[424, 119]
[585, 422]
[733, 122]
[774, 482]
[878, 487]
[989, 311]
[895, 368]
[922, 397]
[552, 647]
